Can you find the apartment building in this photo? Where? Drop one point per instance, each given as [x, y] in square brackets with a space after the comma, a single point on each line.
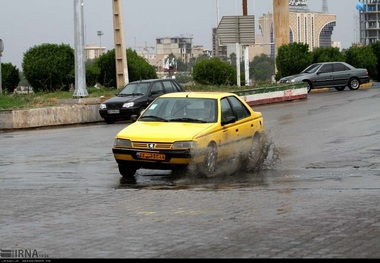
[369, 21]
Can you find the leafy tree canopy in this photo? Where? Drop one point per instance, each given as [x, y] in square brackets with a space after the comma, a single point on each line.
[10, 77]
[49, 67]
[213, 72]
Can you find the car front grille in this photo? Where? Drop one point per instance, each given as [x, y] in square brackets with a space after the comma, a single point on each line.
[151, 145]
[114, 106]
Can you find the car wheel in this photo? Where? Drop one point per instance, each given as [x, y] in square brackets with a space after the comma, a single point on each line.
[309, 86]
[353, 84]
[209, 164]
[109, 120]
[340, 88]
[127, 171]
[256, 155]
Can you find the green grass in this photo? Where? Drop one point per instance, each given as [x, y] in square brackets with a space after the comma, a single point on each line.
[36, 100]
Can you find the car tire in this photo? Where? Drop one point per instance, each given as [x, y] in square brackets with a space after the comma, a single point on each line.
[309, 86]
[256, 155]
[127, 171]
[353, 84]
[340, 88]
[210, 161]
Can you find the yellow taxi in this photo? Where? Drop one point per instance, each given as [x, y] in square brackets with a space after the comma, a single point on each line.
[190, 128]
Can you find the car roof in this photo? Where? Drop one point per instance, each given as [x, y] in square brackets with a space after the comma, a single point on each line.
[330, 62]
[149, 80]
[198, 94]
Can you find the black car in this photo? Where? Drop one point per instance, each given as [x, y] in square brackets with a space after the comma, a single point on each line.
[336, 75]
[135, 97]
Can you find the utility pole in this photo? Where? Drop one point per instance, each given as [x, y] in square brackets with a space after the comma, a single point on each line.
[1, 53]
[100, 34]
[80, 71]
[246, 49]
[244, 7]
[122, 78]
[280, 24]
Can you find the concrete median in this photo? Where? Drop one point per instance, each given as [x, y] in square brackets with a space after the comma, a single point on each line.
[86, 110]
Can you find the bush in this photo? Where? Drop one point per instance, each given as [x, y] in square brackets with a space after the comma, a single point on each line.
[49, 67]
[213, 72]
[138, 68]
[10, 77]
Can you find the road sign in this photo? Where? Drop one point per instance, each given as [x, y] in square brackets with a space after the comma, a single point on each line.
[237, 29]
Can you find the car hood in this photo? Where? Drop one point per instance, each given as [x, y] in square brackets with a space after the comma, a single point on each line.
[164, 131]
[296, 77]
[117, 99]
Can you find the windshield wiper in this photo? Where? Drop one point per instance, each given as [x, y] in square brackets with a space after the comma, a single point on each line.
[188, 120]
[153, 117]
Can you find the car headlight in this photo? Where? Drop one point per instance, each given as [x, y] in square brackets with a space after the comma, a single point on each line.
[122, 143]
[185, 145]
[128, 105]
[103, 106]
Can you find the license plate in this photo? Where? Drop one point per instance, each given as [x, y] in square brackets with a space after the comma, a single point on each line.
[113, 111]
[151, 156]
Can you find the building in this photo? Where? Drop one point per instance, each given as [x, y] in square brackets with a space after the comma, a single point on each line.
[93, 51]
[312, 28]
[180, 47]
[218, 50]
[369, 21]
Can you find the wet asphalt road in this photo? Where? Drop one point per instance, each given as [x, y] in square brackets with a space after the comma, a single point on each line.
[61, 193]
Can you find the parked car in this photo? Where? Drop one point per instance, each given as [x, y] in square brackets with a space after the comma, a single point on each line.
[336, 75]
[135, 97]
[191, 128]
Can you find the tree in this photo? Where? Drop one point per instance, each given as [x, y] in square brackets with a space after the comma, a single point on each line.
[138, 68]
[213, 72]
[376, 50]
[9, 76]
[262, 67]
[327, 54]
[362, 57]
[292, 59]
[49, 67]
[92, 73]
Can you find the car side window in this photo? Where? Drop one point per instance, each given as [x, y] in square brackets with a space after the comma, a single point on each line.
[226, 109]
[168, 86]
[340, 67]
[326, 68]
[157, 89]
[239, 109]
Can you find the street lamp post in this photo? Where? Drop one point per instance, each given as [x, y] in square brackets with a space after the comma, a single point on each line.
[100, 33]
[1, 53]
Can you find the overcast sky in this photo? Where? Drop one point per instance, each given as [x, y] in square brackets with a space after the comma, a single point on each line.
[26, 23]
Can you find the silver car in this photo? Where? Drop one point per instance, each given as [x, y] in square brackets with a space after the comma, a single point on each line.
[336, 75]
